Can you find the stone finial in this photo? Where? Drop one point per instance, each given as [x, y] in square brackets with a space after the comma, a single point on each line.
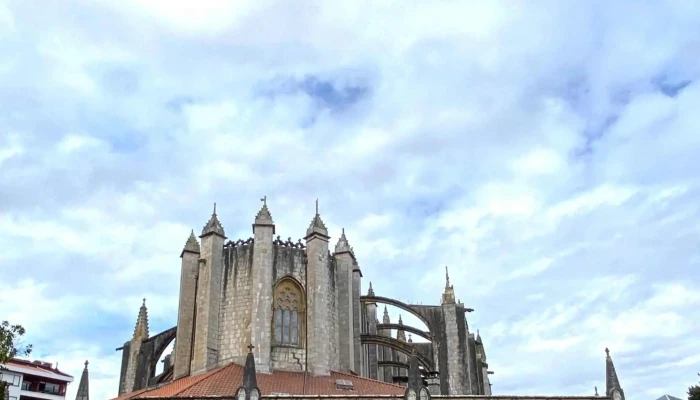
[141, 329]
[596, 391]
[213, 226]
[385, 318]
[84, 385]
[448, 296]
[612, 383]
[192, 245]
[400, 333]
[343, 245]
[317, 225]
[415, 379]
[370, 291]
[410, 338]
[264, 217]
[249, 389]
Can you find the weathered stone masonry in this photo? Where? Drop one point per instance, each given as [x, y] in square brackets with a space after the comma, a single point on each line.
[229, 298]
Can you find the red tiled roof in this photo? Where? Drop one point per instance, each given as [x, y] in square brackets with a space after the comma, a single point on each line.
[224, 381]
[32, 364]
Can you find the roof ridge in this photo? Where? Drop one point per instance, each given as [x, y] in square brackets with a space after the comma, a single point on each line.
[368, 379]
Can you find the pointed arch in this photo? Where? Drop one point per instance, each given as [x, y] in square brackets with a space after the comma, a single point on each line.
[289, 313]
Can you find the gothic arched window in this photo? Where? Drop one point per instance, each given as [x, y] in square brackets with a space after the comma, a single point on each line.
[289, 306]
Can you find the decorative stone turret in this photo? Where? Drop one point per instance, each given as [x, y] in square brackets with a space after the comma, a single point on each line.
[206, 333]
[416, 389]
[400, 333]
[249, 389]
[385, 317]
[612, 383]
[189, 274]
[318, 278]
[141, 329]
[84, 385]
[213, 226]
[448, 297]
[262, 282]
[133, 348]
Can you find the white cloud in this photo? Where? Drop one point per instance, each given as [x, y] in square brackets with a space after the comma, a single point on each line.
[539, 156]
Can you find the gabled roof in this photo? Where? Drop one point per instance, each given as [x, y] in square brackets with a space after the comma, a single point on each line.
[224, 381]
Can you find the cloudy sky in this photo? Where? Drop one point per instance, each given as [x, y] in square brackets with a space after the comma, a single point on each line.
[544, 150]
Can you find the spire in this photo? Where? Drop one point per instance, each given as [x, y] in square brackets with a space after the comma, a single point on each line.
[250, 383]
[448, 296]
[264, 217]
[400, 333]
[370, 291]
[317, 225]
[343, 245]
[386, 319]
[612, 383]
[192, 245]
[213, 226]
[141, 329]
[478, 336]
[84, 385]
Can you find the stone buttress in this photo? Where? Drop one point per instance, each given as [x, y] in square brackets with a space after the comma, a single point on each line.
[262, 282]
[189, 273]
[206, 333]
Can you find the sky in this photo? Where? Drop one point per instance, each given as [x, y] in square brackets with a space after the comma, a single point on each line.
[545, 151]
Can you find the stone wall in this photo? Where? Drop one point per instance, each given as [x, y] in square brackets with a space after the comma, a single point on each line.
[236, 302]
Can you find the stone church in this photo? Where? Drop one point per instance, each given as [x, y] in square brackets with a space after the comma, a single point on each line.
[297, 308]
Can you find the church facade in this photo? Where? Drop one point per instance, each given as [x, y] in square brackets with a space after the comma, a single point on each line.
[299, 309]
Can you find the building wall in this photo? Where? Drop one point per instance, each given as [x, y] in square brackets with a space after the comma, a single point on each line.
[14, 380]
[236, 302]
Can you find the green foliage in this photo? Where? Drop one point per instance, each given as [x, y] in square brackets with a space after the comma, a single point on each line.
[11, 346]
[694, 392]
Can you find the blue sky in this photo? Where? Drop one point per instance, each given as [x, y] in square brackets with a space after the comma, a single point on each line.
[546, 151]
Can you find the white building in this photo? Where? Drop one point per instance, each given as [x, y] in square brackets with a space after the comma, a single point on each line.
[34, 380]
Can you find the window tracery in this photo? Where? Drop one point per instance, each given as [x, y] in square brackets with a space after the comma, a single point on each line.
[289, 307]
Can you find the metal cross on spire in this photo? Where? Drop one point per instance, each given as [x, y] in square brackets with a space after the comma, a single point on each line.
[251, 347]
[264, 200]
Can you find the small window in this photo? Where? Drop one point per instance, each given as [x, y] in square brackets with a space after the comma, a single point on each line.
[26, 385]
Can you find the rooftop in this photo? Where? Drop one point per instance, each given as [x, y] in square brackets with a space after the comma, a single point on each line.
[27, 366]
[224, 381]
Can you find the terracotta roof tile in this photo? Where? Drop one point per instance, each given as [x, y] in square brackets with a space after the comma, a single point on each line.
[224, 381]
